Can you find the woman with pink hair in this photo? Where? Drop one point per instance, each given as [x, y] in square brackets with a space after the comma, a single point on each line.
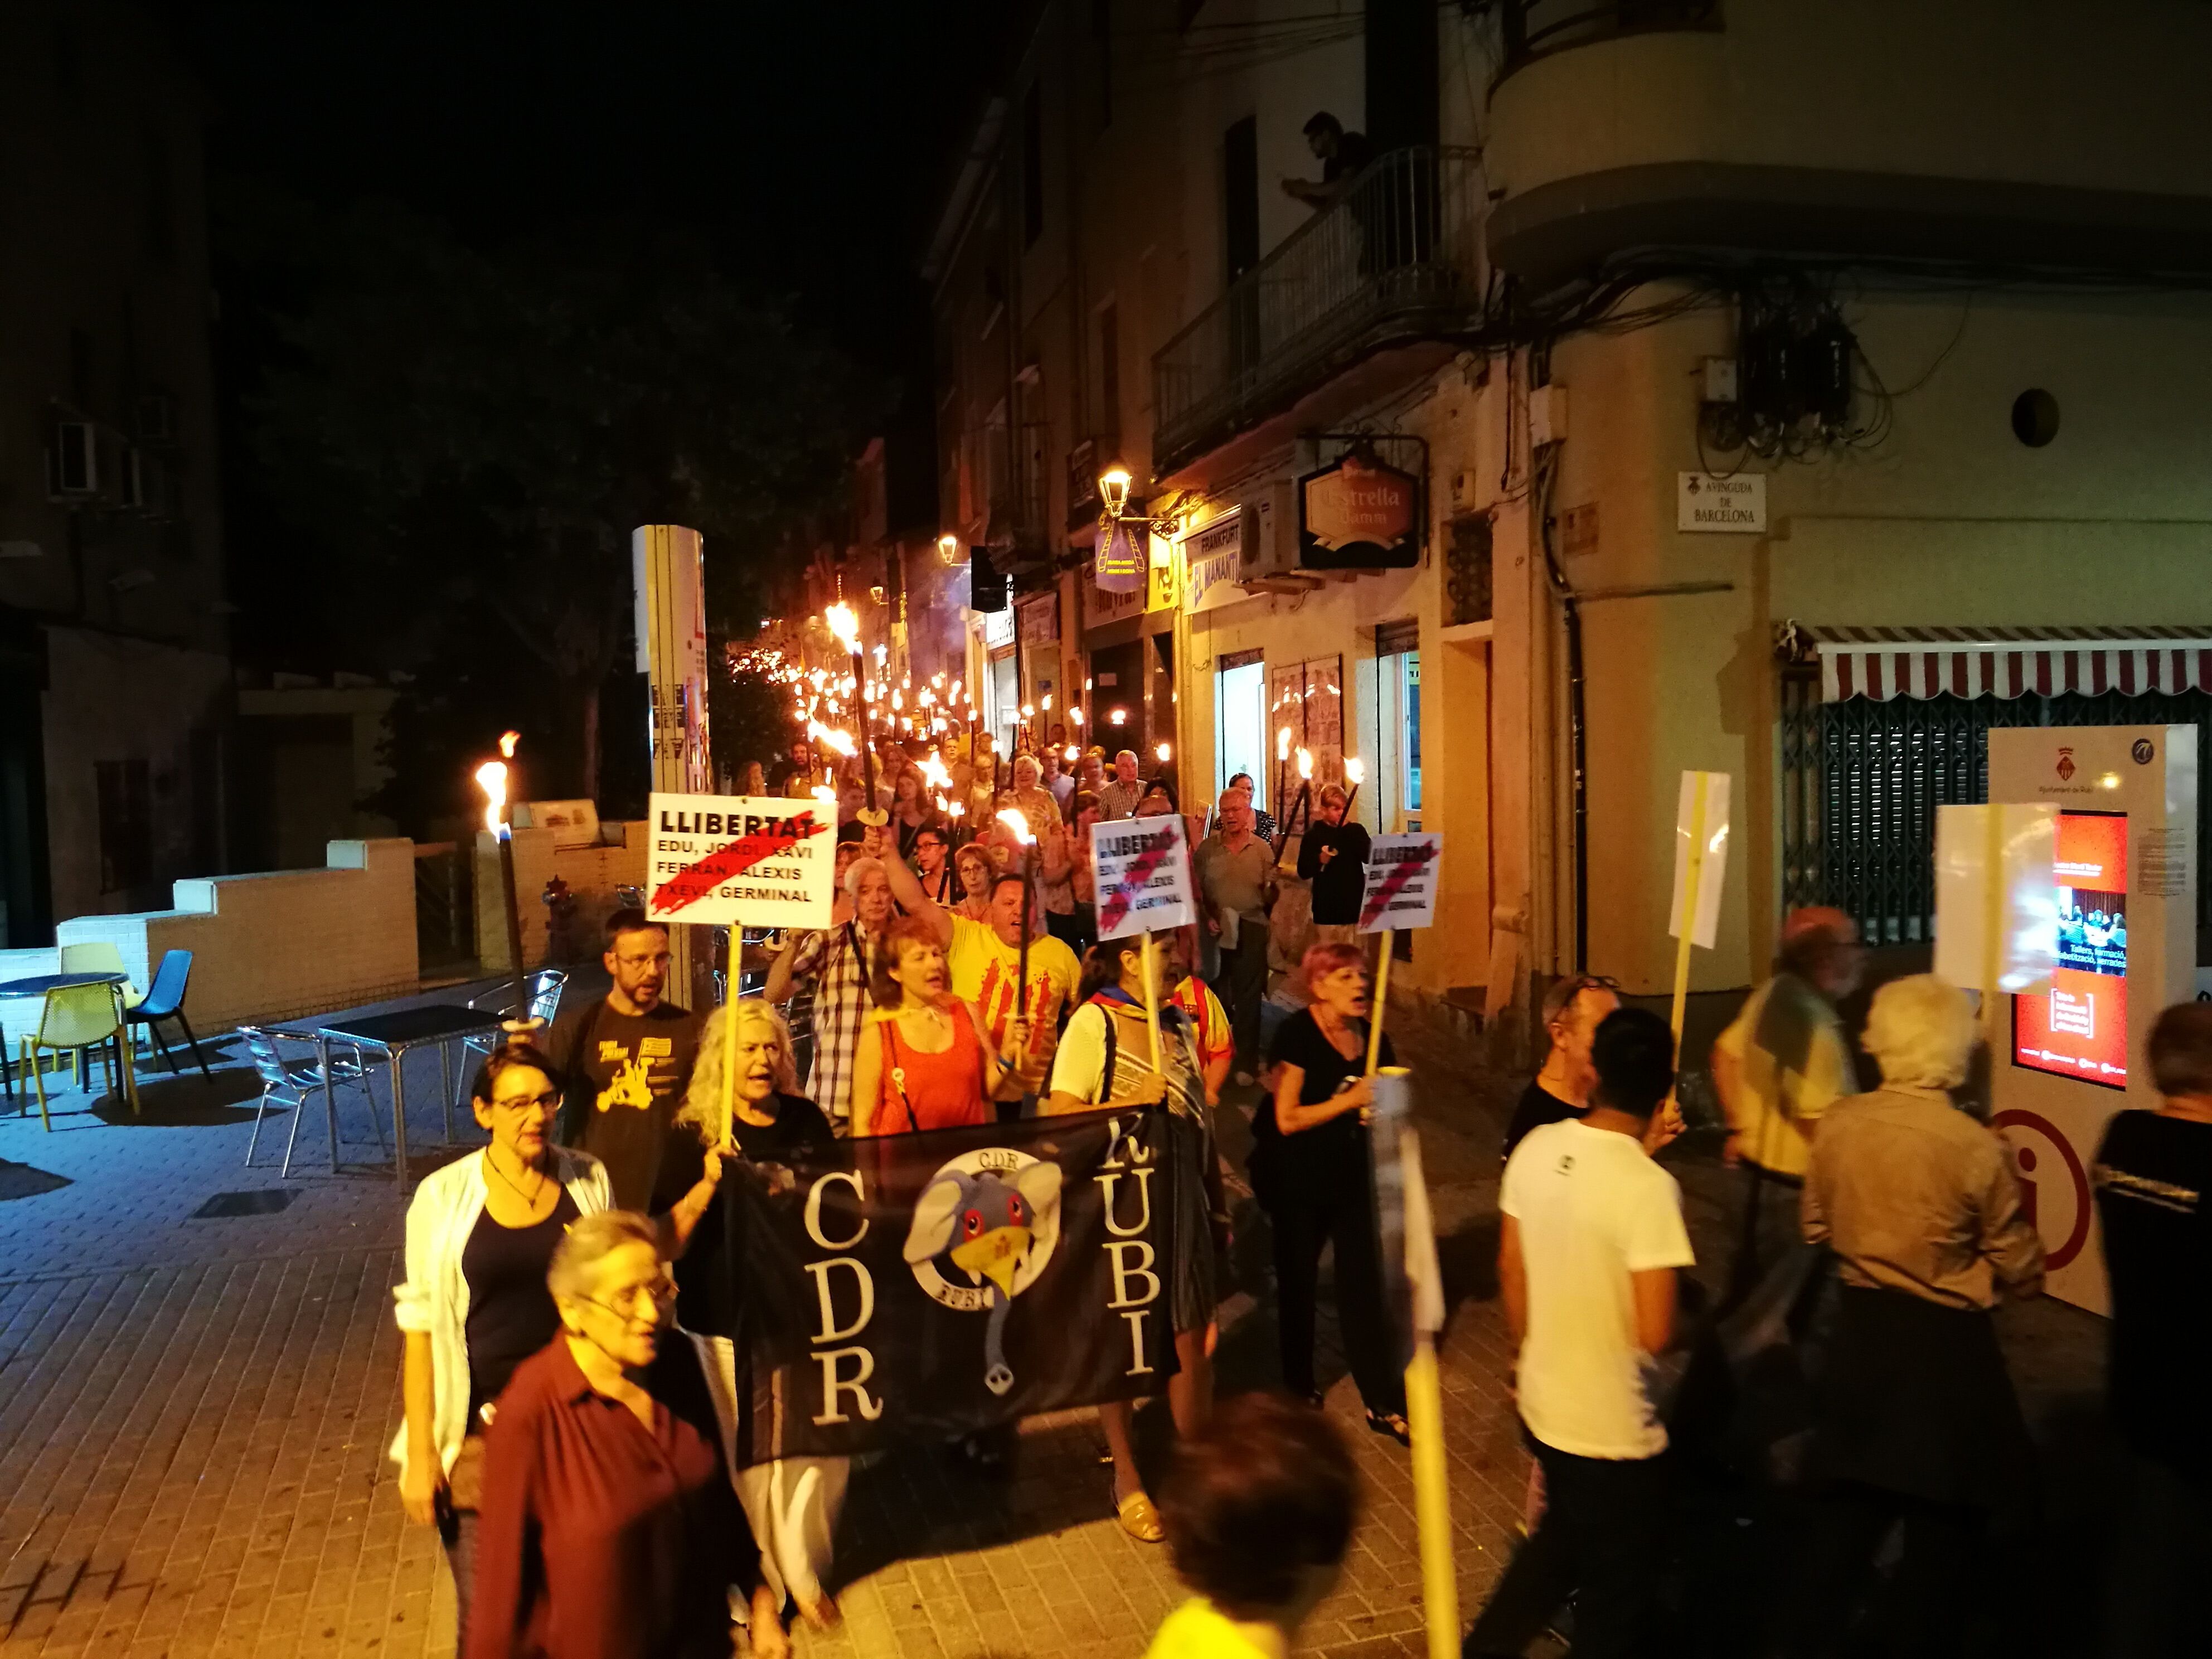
[1310, 1172]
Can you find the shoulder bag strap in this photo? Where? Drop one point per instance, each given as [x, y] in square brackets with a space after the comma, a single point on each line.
[896, 1072]
[1113, 1054]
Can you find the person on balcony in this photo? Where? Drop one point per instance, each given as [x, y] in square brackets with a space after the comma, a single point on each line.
[1342, 156]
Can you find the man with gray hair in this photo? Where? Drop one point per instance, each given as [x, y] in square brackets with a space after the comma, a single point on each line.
[834, 962]
[1236, 872]
[1118, 797]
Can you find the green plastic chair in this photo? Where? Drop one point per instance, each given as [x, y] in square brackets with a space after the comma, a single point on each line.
[74, 1018]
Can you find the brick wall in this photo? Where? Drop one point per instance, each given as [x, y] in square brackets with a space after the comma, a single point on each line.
[276, 946]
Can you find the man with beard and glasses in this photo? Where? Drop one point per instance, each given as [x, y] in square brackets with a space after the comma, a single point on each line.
[625, 1061]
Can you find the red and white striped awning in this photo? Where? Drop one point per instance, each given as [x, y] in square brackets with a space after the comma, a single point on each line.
[1880, 663]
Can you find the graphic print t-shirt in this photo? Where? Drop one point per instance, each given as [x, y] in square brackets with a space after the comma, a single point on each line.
[626, 1077]
[1593, 1210]
[2154, 1177]
[984, 967]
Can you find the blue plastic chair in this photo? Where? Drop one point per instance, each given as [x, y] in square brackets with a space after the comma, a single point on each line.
[166, 1000]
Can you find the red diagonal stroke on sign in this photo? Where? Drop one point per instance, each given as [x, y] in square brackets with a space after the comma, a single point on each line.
[1393, 885]
[688, 886]
[1135, 875]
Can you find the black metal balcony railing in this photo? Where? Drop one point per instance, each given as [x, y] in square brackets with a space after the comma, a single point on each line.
[1395, 258]
[1531, 28]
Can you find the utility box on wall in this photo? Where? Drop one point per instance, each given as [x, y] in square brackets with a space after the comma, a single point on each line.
[2126, 878]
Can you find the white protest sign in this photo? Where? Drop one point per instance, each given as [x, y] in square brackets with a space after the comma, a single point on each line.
[1701, 826]
[1401, 882]
[2007, 931]
[1141, 867]
[741, 860]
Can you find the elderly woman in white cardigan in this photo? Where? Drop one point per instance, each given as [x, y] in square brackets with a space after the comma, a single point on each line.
[480, 1234]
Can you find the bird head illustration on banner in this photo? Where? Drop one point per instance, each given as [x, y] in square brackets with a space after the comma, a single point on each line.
[993, 1216]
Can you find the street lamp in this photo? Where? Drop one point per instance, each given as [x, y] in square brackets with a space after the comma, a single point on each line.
[1114, 489]
[948, 548]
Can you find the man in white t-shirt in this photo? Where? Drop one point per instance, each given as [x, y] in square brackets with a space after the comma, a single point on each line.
[1592, 1238]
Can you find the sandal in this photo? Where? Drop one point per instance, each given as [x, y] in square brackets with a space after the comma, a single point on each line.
[1391, 1424]
[1140, 1519]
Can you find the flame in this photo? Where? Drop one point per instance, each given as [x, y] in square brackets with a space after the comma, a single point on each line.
[844, 624]
[1028, 711]
[959, 809]
[506, 742]
[825, 794]
[491, 778]
[934, 769]
[1282, 744]
[1073, 753]
[1162, 751]
[1119, 716]
[1305, 762]
[1048, 702]
[1355, 768]
[1075, 713]
[1012, 818]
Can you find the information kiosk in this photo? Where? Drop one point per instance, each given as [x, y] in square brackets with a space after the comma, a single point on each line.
[2125, 873]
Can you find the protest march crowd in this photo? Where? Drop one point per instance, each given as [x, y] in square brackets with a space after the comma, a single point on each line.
[579, 1402]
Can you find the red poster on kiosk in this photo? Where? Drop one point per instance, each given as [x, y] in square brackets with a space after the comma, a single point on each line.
[2080, 1029]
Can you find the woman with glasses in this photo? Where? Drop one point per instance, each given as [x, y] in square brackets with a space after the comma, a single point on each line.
[481, 1233]
[610, 1528]
[977, 876]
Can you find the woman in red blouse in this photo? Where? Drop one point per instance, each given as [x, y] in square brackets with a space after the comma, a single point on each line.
[925, 1060]
[609, 1528]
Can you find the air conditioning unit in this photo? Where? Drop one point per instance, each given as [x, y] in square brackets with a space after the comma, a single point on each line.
[1270, 543]
[73, 461]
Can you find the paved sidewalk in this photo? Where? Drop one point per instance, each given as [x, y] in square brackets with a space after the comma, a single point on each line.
[194, 1413]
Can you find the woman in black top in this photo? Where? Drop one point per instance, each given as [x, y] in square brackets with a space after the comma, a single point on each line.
[792, 1503]
[1333, 856]
[1311, 1171]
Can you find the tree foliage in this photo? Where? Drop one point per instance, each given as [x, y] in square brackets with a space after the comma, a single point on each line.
[473, 432]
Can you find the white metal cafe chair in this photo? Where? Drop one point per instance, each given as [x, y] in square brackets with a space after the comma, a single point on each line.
[291, 1082]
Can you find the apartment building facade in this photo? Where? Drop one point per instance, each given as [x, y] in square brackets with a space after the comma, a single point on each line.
[115, 680]
[1922, 291]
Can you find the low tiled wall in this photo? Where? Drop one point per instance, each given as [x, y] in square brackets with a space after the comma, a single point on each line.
[278, 946]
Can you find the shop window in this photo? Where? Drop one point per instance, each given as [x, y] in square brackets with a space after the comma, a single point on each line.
[1240, 719]
[1398, 727]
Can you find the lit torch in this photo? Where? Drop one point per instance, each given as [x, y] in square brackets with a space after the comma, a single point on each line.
[1018, 826]
[1282, 768]
[1356, 770]
[492, 778]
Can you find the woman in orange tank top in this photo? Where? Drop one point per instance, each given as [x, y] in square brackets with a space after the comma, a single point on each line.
[924, 1061]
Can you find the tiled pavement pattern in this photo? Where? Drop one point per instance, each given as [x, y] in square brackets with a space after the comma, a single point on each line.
[194, 1416]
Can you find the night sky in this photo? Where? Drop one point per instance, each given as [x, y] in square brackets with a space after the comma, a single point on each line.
[807, 142]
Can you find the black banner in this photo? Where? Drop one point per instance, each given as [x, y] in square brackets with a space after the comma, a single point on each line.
[924, 1286]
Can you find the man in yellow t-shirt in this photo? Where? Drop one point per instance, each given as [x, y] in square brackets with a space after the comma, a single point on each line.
[984, 960]
[1784, 1060]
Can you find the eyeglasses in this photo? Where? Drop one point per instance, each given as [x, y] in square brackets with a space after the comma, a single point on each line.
[660, 1292]
[550, 1101]
[660, 961]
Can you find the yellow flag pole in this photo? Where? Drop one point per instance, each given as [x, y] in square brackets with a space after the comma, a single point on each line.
[1381, 998]
[1151, 995]
[726, 1108]
[1424, 1418]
